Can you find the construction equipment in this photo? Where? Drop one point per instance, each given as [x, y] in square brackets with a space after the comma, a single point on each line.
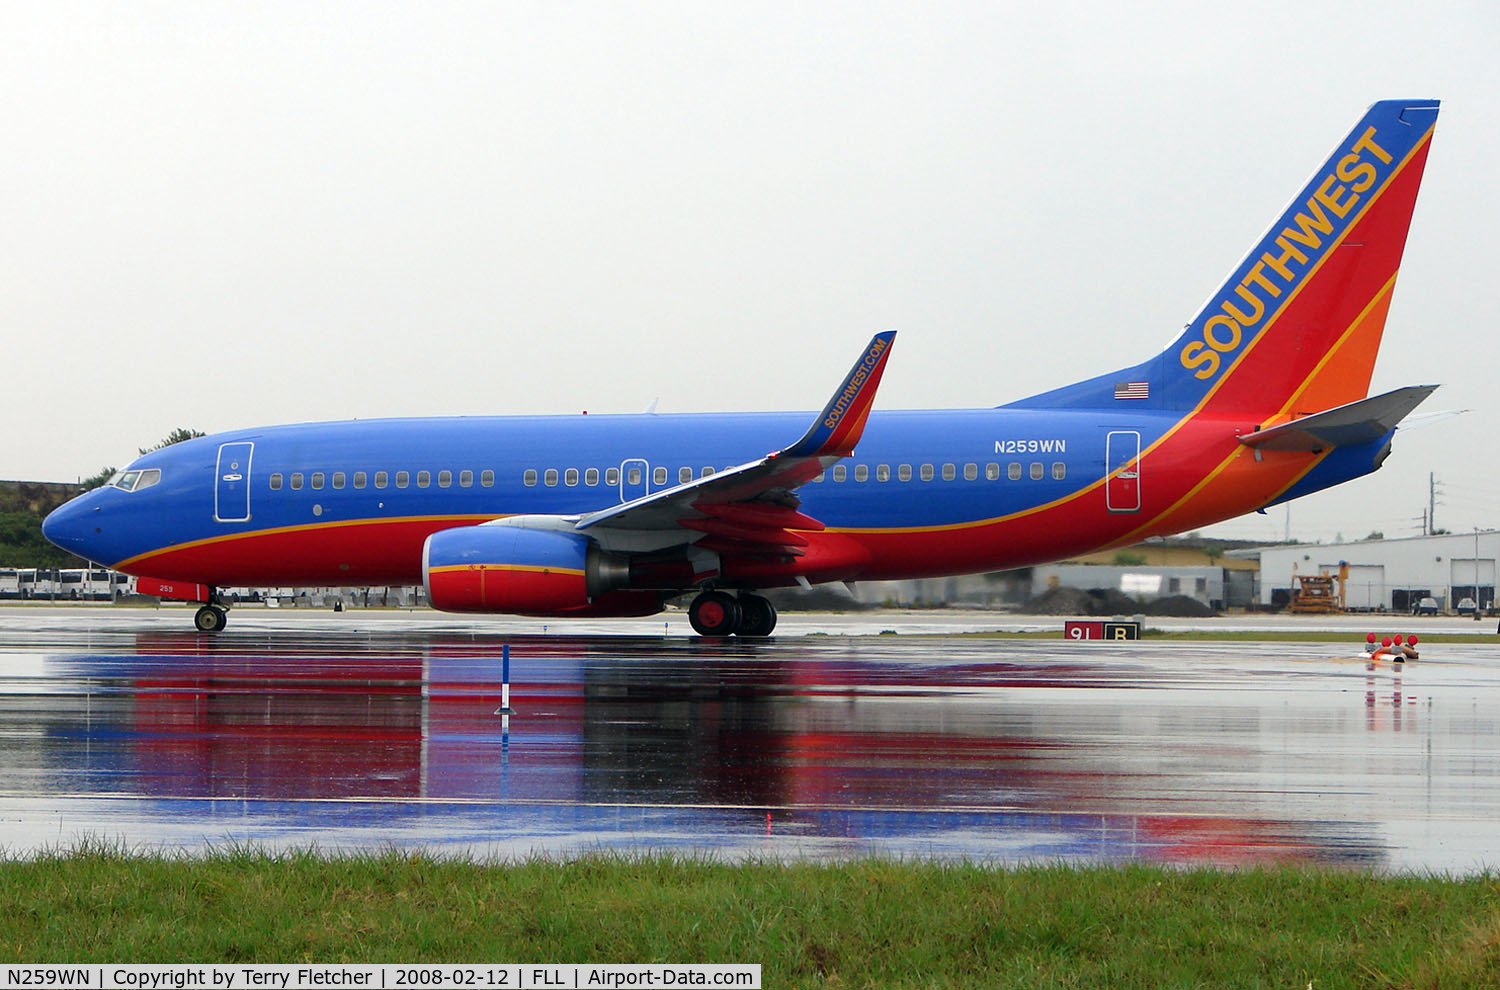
[1320, 594]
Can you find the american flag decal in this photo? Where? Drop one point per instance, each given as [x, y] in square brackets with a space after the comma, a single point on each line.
[1132, 390]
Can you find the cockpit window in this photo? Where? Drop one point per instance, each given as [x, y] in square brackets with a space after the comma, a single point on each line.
[134, 481]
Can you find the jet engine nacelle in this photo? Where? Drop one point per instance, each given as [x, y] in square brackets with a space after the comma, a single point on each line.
[527, 572]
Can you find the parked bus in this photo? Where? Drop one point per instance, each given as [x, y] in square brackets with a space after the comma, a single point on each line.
[84, 584]
[38, 582]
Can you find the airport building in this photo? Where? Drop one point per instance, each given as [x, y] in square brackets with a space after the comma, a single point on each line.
[1214, 587]
[1455, 570]
[1231, 584]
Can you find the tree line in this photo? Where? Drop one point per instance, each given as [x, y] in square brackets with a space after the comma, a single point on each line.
[23, 508]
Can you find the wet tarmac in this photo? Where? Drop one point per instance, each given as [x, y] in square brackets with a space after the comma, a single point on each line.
[372, 730]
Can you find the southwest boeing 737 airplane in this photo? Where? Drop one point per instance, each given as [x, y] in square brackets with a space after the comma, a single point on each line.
[1260, 400]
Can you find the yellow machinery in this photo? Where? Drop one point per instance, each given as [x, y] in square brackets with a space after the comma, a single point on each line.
[1320, 594]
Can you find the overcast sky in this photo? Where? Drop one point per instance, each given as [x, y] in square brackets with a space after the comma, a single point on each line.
[227, 215]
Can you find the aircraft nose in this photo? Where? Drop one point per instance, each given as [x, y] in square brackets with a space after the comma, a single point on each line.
[67, 525]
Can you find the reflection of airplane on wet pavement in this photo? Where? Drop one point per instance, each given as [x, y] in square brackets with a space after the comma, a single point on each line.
[1261, 399]
[729, 741]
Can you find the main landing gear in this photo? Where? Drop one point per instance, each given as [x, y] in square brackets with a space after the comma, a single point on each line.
[717, 613]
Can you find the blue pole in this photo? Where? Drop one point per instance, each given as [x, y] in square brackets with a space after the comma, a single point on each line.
[504, 701]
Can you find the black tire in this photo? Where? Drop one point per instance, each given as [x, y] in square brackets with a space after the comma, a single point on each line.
[757, 616]
[714, 613]
[210, 619]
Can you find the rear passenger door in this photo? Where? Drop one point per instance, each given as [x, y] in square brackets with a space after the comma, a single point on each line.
[1122, 466]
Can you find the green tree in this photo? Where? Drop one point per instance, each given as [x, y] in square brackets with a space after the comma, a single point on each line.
[22, 543]
[1125, 558]
[95, 481]
[21, 540]
[176, 436]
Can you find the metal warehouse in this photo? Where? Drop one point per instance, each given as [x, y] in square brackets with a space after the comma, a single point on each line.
[1391, 575]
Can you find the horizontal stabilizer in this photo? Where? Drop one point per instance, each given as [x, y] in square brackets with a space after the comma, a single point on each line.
[1358, 422]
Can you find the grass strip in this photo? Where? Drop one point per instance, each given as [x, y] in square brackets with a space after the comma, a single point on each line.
[1354, 640]
[868, 922]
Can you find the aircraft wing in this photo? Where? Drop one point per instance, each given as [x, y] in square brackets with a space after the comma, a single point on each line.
[1356, 422]
[754, 503]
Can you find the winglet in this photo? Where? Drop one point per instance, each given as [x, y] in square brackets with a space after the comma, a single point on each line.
[839, 426]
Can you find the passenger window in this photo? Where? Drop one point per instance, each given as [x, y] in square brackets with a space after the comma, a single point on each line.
[1037, 471]
[591, 477]
[818, 480]
[882, 472]
[359, 479]
[840, 472]
[903, 472]
[403, 478]
[487, 479]
[1059, 470]
[684, 475]
[1013, 471]
[317, 481]
[445, 479]
[611, 476]
[705, 472]
[550, 477]
[529, 478]
[971, 472]
[466, 479]
[276, 482]
[570, 477]
[296, 481]
[992, 471]
[926, 472]
[382, 479]
[949, 472]
[338, 479]
[424, 478]
[659, 476]
[861, 472]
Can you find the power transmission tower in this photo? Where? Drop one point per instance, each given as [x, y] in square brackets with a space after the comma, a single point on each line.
[1432, 502]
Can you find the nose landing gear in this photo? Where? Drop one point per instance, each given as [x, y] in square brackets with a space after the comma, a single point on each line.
[210, 618]
[214, 615]
[717, 613]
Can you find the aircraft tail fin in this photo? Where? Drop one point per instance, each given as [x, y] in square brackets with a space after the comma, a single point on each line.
[1297, 325]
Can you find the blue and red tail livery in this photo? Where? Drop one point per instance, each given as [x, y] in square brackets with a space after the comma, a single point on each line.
[1262, 398]
[1315, 288]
